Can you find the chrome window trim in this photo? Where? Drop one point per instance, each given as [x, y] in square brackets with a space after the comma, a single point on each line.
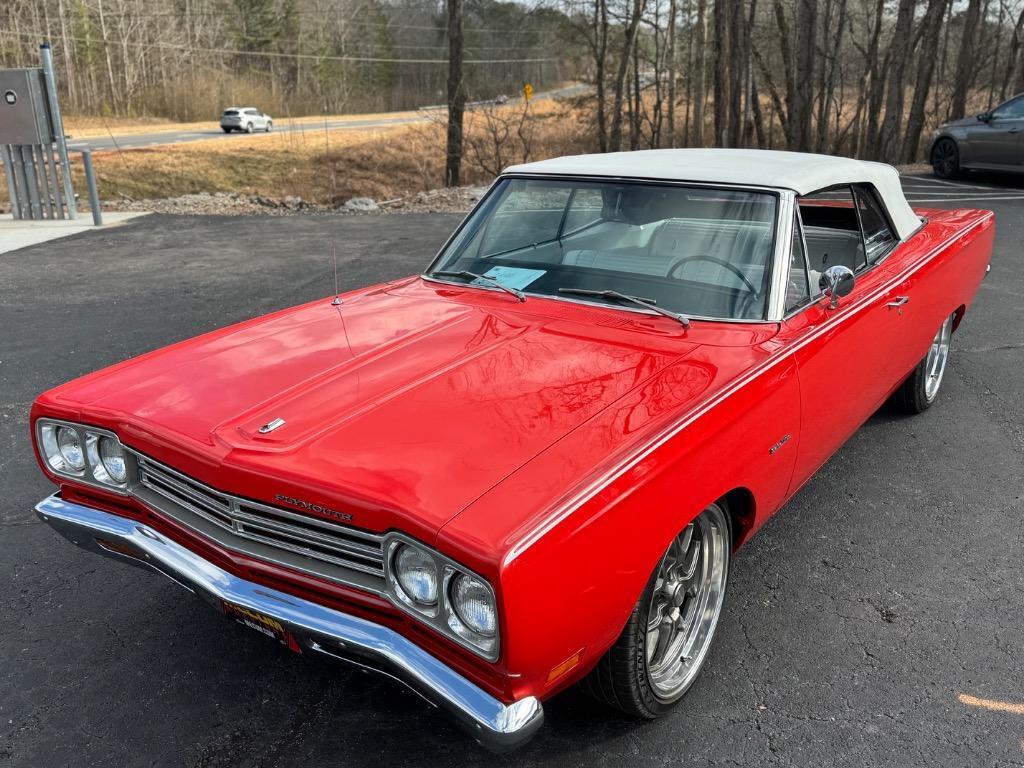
[780, 267]
[869, 265]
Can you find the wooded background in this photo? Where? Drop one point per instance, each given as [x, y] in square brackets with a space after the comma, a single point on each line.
[865, 78]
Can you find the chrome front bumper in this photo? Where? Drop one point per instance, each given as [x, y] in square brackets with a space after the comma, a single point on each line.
[497, 726]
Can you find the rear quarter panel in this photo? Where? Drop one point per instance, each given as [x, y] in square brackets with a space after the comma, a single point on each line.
[945, 264]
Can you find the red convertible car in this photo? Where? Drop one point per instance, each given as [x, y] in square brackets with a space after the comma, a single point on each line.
[529, 466]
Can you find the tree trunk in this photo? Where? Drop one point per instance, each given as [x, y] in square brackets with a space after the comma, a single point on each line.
[737, 65]
[456, 95]
[800, 114]
[876, 83]
[600, 65]
[932, 27]
[106, 52]
[699, 76]
[786, 51]
[1013, 60]
[895, 90]
[630, 35]
[723, 54]
[965, 61]
[670, 55]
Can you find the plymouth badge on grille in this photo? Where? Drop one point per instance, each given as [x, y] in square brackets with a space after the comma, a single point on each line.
[320, 509]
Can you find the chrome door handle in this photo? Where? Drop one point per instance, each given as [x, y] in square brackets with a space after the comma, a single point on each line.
[899, 301]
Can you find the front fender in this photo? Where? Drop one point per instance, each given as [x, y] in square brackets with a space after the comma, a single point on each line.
[567, 596]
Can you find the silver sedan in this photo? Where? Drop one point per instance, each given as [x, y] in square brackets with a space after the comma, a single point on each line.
[992, 141]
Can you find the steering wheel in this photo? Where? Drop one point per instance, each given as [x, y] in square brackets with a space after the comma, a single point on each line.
[681, 262]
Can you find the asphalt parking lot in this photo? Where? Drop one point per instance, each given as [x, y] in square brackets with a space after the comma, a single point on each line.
[877, 620]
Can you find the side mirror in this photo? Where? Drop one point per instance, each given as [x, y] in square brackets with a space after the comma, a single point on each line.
[985, 117]
[835, 282]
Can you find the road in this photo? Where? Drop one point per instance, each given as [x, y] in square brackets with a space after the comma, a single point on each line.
[162, 138]
[875, 621]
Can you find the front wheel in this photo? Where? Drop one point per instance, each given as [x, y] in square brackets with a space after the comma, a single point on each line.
[946, 159]
[270, 126]
[226, 130]
[663, 646]
[921, 388]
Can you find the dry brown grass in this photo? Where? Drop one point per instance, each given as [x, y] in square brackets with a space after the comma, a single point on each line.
[382, 163]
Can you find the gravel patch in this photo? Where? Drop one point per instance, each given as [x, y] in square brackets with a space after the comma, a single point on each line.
[457, 200]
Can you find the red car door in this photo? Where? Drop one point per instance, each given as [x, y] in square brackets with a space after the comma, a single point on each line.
[844, 356]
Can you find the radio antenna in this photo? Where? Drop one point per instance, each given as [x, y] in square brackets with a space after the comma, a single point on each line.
[334, 256]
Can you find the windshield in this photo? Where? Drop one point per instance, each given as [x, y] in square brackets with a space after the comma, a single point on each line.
[693, 250]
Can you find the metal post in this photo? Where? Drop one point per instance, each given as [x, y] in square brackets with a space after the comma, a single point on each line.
[28, 199]
[44, 181]
[90, 179]
[58, 126]
[12, 191]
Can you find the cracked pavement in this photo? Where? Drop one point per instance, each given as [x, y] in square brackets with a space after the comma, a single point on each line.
[887, 587]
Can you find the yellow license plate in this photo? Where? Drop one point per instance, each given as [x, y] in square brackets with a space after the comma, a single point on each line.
[265, 625]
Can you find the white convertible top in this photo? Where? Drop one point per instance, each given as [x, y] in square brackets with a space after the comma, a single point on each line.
[801, 172]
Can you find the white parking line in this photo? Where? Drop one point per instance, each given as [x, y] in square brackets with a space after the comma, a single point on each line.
[982, 198]
[928, 180]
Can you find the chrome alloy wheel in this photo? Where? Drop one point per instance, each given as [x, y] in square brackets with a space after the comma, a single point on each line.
[935, 362]
[687, 599]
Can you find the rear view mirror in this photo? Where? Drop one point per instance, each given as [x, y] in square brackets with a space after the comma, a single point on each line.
[985, 117]
[835, 282]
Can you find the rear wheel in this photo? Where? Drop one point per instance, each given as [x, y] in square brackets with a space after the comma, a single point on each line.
[226, 130]
[663, 646]
[248, 127]
[921, 388]
[946, 159]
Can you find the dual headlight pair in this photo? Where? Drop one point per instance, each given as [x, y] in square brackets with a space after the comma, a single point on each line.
[83, 453]
[443, 594]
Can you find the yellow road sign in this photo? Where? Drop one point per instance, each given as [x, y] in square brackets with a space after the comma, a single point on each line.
[528, 91]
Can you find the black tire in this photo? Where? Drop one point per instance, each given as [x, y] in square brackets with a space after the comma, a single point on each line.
[248, 127]
[922, 386]
[270, 126]
[946, 159]
[226, 130]
[621, 678]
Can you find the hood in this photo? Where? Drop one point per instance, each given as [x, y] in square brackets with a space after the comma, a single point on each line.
[960, 123]
[401, 406]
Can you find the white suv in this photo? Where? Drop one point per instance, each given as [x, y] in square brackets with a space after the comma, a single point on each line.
[245, 119]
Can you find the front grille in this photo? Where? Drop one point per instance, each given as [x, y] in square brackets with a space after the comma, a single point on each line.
[337, 552]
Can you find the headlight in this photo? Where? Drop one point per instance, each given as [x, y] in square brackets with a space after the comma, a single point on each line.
[69, 445]
[416, 573]
[106, 459]
[442, 594]
[87, 454]
[473, 602]
[61, 446]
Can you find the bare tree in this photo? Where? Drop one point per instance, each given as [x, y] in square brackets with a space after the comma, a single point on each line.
[965, 60]
[456, 94]
[630, 32]
[699, 74]
[931, 26]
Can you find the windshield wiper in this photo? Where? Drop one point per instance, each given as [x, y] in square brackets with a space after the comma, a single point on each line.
[466, 274]
[639, 300]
